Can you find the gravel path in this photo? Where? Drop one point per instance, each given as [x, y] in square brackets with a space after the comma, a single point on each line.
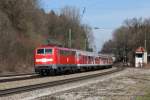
[126, 85]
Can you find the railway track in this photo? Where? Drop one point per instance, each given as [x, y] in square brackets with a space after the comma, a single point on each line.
[16, 90]
[11, 75]
[18, 78]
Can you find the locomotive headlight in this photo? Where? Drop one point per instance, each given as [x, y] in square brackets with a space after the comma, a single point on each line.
[44, 60]
[38, 60]
[50, 59]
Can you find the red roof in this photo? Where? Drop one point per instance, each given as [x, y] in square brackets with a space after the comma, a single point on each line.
[140, 49]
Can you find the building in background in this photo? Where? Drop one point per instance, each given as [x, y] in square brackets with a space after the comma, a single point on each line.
[140, 57]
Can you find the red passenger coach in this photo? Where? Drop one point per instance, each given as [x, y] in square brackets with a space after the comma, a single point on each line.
[52, 59]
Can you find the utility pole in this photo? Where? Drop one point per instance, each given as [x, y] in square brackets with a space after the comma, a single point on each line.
[145, 40]
[69, 42]
[85, 44]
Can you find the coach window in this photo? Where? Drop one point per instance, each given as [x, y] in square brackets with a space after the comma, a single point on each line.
[73, 52]
[65, 53]
[62, 52]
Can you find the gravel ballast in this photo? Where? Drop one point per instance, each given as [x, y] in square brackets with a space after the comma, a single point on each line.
[123, 85]
[126, 85]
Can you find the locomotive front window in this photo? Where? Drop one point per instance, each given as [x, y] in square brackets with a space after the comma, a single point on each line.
[40, 51]
[48, 51]
[44, 51]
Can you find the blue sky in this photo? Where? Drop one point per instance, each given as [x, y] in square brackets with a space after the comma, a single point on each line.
[106, 14]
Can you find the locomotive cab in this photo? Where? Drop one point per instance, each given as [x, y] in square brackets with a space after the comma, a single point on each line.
[44, 59]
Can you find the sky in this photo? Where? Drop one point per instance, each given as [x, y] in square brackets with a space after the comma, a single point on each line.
[105, 14]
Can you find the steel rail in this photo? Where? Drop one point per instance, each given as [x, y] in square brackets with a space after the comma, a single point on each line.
[50, 84]
[11, 75]
[19, 78]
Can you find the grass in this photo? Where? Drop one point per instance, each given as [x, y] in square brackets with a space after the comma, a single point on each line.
[146, 96]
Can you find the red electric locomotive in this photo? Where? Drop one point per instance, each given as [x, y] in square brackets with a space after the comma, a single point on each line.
[52, 59]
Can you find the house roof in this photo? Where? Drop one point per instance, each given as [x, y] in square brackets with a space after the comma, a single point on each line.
[140, 49]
